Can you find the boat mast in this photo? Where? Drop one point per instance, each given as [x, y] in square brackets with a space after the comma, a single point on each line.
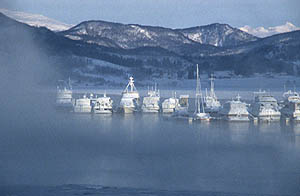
[212, 85]
[199, 96]
[131, 85]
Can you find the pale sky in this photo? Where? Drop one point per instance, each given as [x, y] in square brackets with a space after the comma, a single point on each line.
[168, 13]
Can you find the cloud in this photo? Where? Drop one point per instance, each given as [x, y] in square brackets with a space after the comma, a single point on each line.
[268, 31]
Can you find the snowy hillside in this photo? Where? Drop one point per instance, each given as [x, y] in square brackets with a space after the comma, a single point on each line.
[217, 35]
[36, 20]
[268, 31]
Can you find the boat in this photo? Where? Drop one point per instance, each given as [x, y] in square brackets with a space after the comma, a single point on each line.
[291, 105]
[211, 102]
[130, 98]
[64, 98]
[151, 102]
[200, 113]
[82, 105]
[265, 107]
[169, 105]
[235, 110]
[181, 109]
[103, 105]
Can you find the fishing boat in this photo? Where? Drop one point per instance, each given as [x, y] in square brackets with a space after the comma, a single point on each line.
[265, 107]
[103, 105]
[211, 102]
[291, 105]
[235, 110]
[151, 102]
[64, 98]
[130, 98]
[169, 105]
[200, 113]
[82, 105]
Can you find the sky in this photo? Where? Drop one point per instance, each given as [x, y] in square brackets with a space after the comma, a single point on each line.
[168, 13]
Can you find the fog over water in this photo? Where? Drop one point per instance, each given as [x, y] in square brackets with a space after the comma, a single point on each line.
[39, 145]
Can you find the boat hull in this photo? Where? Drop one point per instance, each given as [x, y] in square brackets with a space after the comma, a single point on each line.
[102, 111]
[168, 110]
[82, 109]
[150, 110]
[128, 110]
[268, 118]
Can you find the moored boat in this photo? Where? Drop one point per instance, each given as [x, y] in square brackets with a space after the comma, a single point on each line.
[200, 113]
[211, 102]
[103, 105]
[265, 107]
[291, 105]
[82, 105]
[64, 98]
[169, 105]
[235, 110]
[130, 101]
[151, 102]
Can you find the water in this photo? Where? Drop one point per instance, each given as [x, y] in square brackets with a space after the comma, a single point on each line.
[40, 146]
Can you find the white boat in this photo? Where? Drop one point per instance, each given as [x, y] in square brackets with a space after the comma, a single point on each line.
[265, 107]
[211, 102]
[103, 105]
[82, 105]
[64, 98]
[151, 102]
[182, 107]
[130, 98]
[200, 113]
[235, 110]
[291, 105]
[169, 105]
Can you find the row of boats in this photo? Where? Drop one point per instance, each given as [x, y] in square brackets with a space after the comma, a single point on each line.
[264, 107]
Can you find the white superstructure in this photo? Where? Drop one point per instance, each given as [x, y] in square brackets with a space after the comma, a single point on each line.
[82, 105]
[265, 107]
[211, 103]
[151, 102]
[291, 108]
[235, 110]
[169, 105]
[64, 95]
[199, 102]
[130, 98]
[103, 105]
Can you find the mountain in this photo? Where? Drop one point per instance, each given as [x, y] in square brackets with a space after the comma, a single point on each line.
[217, 35]
[129, 36]
[169, 54]
[265, 32]
[36, 20]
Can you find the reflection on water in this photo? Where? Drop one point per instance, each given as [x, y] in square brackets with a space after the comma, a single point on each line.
[150, 151]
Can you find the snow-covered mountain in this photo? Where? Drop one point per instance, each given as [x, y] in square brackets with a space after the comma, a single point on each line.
[157, 55]
[36, 20]
[217, 35]
[268, 31]
[130, 36]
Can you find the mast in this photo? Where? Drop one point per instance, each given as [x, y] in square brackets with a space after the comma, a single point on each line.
[199, 96]
[131, 85]
[212, 85]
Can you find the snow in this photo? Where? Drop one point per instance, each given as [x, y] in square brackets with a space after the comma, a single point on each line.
[268, 31]
[36, 20]
[142, 31]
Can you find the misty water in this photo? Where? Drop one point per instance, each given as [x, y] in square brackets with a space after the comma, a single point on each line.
[42, 146]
